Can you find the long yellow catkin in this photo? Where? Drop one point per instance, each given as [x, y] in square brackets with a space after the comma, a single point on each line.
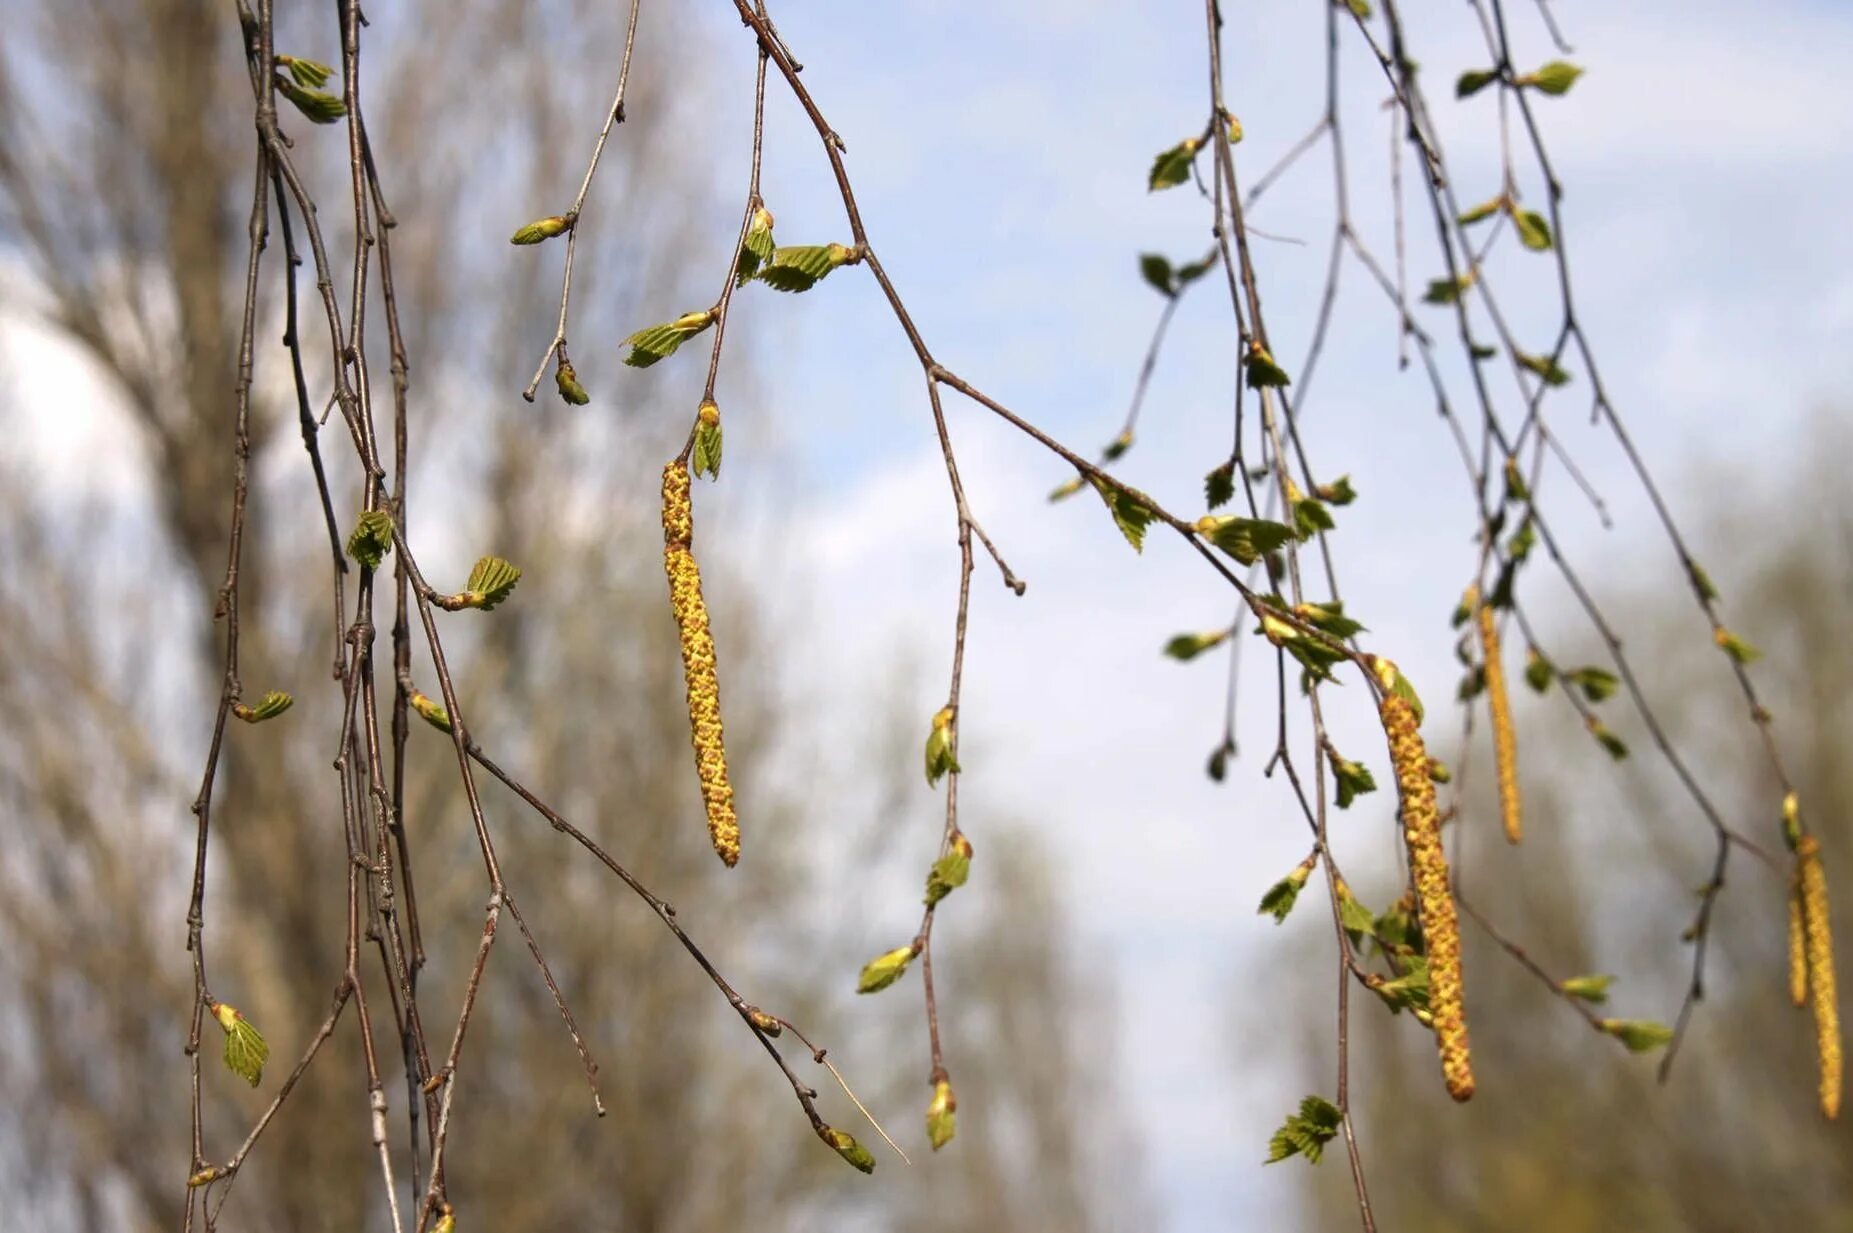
[1505, 739]
[1434, 898]
[1798, 951]
[1819, 944]
[704, 690]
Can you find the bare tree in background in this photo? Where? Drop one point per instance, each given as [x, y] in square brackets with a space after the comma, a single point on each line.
[124, 148]
[1576, 1137]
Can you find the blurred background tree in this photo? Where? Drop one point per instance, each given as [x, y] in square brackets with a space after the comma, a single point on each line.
[125, 153]
[1569, 1132]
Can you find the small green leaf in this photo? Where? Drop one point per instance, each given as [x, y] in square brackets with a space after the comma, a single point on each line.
[310, 73]
[1245, 539]
[1446, 290]
[1307, 1132]
[1702, 581]
[1117, 447]
[1186, 647]
[372, 538]
[1639, 1035]
[1554, 78]
[245, 1050]
[1741, 652]
[567, 382]
[430, 710]
[942, 1115]
[269, 706]
[1482, 212]
[883, 970]
[1172, 167]
[1356, 918]
[1280, 897]
[756, 248]
[1354, 780]
[1066, 489]
[1217, 768]
[1219, 485]
[1310, 516]
[1263, 372]
[491, 581]
[1597, 684]
[1538, 671]
[1473, 81]
[542, 229]
[1608, 740]
[1544, 366]
[939, 759]
[1523, 541]
[656, 342]
[708, 440]
[800, 268]
[1328, 617]
[950, 871]
[846, 1146]
[1480, 351]
[1593, 989]
[1533, 232]
[1360, 9]
[319, 106]
[1156, 268]
[1188, 274]
[1338, 492]
[1129, 515]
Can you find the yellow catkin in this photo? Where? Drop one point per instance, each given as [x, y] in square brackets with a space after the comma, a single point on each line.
[704, 691]
[1819, 945]
[1798, 951]
[1505, 739]
[1434, 897]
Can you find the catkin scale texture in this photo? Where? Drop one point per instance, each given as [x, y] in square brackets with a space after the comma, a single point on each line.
[698, 667]
[1428, 864]
[1505, 737]
[1798, 950]
[1819, 945]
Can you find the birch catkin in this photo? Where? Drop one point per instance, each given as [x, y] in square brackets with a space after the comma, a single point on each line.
[1434, 897]
[1818, 943]
[704, 691]
[1798, 950]
[1505, 739]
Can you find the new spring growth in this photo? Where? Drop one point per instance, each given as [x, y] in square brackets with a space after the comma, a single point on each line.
[447, 1223]
[540, 230]
[372, 538]
[430, 710]
[708, 439]
[845, 1145]
[269, 706]
[491, 581]
[883, 970]
[1818, 945]
[942, 1115]
[245, 1050]
[1505, 737]
[939, 755]
[765, 1023]
[698, 668]
[1428, 865]
[949, 871]
[567, 382]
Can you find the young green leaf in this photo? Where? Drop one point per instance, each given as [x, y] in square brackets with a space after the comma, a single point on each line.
[939, 759]
[319, 106]
[1156, 268]
[756, 248]
[1639, 1035]
[245, 1050]
[1741, 652]
[372, 538]
[950, 871]
[1129, 515]
[708, 440]
[884, 969]
[1538, 671]
[1354, 780]
[1544, 366]
[1307, 1132]
[1533, 232]
[1554, 78]
[310, 73]
[1338, 492]
[1482, 212]
[942, 1115]
[1186, 647]
[1263, 372]
[1310, 516]
[1446, 290]
[1280, 897]
[1117, 447]
[430, 710]
[801, 268]
[1172, 167]
[846, 1146]
[1473, 81]
[491, 580]
[1067, 488]
[1594, 989]
[269, 706]
[657, 342]
[1597, 684]
[567, 382]
[1219, 485]
[539, 230]
[1245, 539]
[1608, 740]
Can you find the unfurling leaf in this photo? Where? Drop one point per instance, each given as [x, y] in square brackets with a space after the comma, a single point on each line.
[1544, 366]
[491, 580]
[1307, 1132]
[269, 706]
[1608, 740]
[656, 342]
[763, 1022]
[1354, 780]
[939, 757]
[541, 229]
[567, 382]
[1062, 491]
[1338, 492]
[1280, 897]
[1245, 539]
[310, 73]
[1639, 1035]
[1186, 647]
[1588, 988]
[372, 538]
[708, 440]
[883, 970]
[430, 710]
[1172, 167]
[1538, 671]
[1310, 516]
[756, 248]
[1117, 447]
[1741, 652]
[318, 105]
[1554, 78]
[1156, 268]
[1263, 372]
[245, 1050]
[1129, 515]
[846, 1146]
[942, 1115]
[1447, 290]
[800, 268]
[949, 871]
[1439, 772]
[1597, 684]
[1533, 232]
[1219, 485]
[1482, 212]
[1473, 81]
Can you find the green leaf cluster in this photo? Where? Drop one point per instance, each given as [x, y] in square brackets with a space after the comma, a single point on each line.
[1306, 1132]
